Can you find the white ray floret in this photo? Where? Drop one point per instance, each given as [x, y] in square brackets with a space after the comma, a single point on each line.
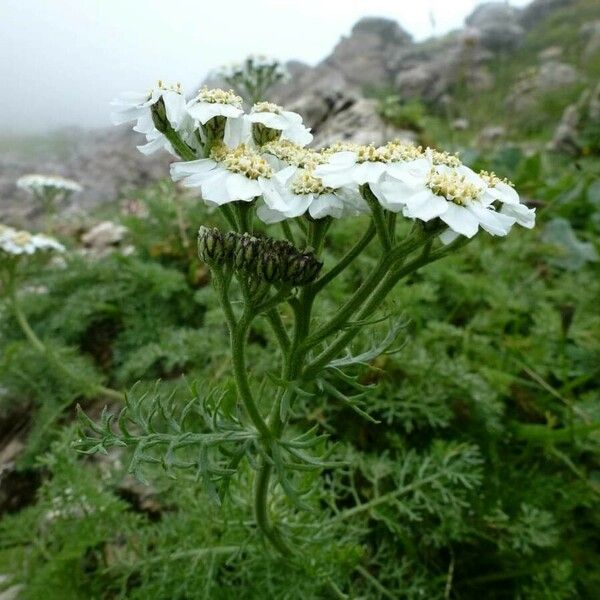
[134, 106]
[275, 117]
[227, 176]
[294, 192]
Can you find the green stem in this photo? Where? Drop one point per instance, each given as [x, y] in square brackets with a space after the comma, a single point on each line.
[385, 263]
[276, 323]
[40, 347]
[379, 218]
[346, 260]
[375, 299]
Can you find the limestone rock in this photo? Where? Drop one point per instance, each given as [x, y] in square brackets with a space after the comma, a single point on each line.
[104, 235]
[498, 24]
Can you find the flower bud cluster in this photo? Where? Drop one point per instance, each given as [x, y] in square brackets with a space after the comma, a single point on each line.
[273, 261]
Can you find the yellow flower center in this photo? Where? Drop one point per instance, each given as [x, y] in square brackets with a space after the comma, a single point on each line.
[306, 183]
[218, 96]
[454, 187]
[444, 158]
[399, 151]
[493, 180]
[292, 153]
[372, 153]
[161, 85]
[269, 107]
[21, 238]
[242, 160]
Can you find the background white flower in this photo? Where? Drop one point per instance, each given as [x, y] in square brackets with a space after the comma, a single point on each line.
[17, 243]
[38, 183]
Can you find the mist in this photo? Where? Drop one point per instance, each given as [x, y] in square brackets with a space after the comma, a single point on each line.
[63, 61]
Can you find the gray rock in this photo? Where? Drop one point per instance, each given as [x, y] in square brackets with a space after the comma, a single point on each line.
[536, 82]
[491, 134]
[539, 9]
[585, 112]
[498, 24]
[365, 56]
[103, 235]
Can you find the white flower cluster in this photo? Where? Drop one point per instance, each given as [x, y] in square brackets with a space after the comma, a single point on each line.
[262, 156]
[16, 243]
[40, 183]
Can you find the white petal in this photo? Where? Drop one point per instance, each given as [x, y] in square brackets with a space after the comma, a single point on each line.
[237, 131]
[523, 215]
[460, 220]
[425, 205]
[299, 135]
[268, 215]
[242, 188]
[180, 170]
[215, 189]
[491, 221]
[326, 205]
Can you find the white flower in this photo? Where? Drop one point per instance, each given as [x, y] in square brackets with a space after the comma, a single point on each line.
[275, 117]
[40, 183]
[349, 164]
[293, 192]
[284, 153]
[227, 176]
[211, 103]
[456, 195]
[133, 106]
[17, 243]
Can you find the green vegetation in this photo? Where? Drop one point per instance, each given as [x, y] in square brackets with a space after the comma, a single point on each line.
[480, 478]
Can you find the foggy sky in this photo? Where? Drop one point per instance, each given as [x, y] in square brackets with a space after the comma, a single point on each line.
[62, 61]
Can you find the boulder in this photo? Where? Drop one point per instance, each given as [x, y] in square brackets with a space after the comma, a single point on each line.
[536, 82]
[590, 32]
[365, 56]
[104, 235]
[498, 26]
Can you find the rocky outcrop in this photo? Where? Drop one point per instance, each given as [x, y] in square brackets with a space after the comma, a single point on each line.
[498, 26]
[367, 56]
[538, 10]
[579, 128]
[535, 83]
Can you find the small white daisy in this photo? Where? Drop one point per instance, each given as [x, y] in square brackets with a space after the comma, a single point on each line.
[293, 192]
[273, 116]
[227, 176]
[17, 243]
[40, 183]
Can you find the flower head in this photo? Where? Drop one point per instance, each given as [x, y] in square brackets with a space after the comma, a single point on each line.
[16, 243]
[227, 176]
[294, 192]
[39, 183]
[270, 122]
[211, 103]
[133, 106]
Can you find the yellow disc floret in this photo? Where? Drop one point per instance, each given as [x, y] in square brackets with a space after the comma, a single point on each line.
[270, 107]
[443, 158]
[306, 183]
[493, 180]
[242, 160]
[219, 96]
[293, 154]
[454, 187]
[372, 153]
[400, 151]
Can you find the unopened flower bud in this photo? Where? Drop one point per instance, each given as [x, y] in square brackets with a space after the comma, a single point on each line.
[159, 116]
[269, 266]
[245, 252]
[211, 246]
